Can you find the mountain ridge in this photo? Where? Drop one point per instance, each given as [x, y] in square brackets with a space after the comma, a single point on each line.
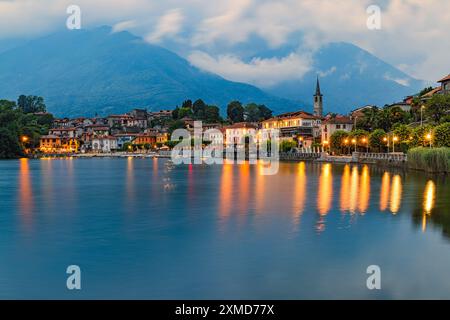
[82, 72]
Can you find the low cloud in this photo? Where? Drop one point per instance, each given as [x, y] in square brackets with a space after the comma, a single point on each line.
[124, 25]
[169, 24]
[261, 72]
[400, 81]
[222, 25]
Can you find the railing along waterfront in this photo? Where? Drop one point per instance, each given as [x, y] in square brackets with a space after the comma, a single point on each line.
[397, 157]
[299, 155]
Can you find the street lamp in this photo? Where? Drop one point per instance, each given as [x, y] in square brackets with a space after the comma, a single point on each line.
[325, 143]
[394, 139]
[354, 142]
[346, 145]
[421, 111]
[24, 139]
[429, 138]
[385, 139]
[364, 140]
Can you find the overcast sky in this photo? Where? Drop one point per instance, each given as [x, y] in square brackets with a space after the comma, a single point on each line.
[414, 34]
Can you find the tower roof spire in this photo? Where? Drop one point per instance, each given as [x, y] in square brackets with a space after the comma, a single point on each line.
[318, 87]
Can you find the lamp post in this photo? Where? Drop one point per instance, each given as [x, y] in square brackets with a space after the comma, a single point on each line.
[394, 139]
[354, 142]
[429, 138]
[386, 139]
[24, 140]
[364, 140]
[325, 144]
[421, 112]
[346, 145]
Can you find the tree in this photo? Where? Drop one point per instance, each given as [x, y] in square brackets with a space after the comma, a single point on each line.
[9, 144]
[437, 106]
[15, 124]
[212, 114]
[31, 104]
[187, 104]
[252, 113]
[198, 109]
[178, 124]
[235, 111]
[359, 136]
[376, 141]
[337, 141]
[419, 136]
[264, 112]
[184, 112]
[442, 135]
[404, 134]
[287, 145]
[369, 120]
[175, 113]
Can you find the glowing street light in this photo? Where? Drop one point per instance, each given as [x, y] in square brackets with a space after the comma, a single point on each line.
[366, 142]
[429, 137]
[325, 143]
[394, 140]
[354, 142]
[25, 139]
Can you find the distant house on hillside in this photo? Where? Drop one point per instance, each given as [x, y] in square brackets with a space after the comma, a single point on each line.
[402, 105]
[359, 112]
[444, 88]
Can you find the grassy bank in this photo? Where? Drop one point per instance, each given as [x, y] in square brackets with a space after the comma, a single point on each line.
[430, 159]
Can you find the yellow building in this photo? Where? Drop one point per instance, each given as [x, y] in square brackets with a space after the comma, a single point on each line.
[55, 144]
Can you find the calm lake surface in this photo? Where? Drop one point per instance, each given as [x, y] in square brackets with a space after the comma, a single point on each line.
[143, 228]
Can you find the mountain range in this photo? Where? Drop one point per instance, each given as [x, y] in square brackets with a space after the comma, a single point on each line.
[84, 72]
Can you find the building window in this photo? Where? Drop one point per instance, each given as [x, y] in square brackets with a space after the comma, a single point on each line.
[338, 126]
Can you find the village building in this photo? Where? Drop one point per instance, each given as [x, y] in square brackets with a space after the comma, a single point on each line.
[58, 145]
[216, 136]
[123, 138]
[331, 125]
[237, 132]
[445, 85]
[159, 115]
[359, 112]
[104, 144]
[97, 130]
[145, 138]
[64, 132]
[404, 106]
[299, 126]
[162, 137]
[444, 88]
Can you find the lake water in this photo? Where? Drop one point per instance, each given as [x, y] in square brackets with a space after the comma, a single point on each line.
[143, 228]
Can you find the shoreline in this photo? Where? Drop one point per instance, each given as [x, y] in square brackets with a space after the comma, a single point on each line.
[340, 160]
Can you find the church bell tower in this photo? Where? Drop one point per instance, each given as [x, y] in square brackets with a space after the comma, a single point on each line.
[318, 101]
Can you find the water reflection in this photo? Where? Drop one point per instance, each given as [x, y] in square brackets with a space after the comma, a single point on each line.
[428, 202]
[226, 189]
[384, 191]
[299, 196]
[396, 194]
[244, 187]
[324, 196]
[25, 195]
[345, 189]
[364, 193]
[325, 191]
